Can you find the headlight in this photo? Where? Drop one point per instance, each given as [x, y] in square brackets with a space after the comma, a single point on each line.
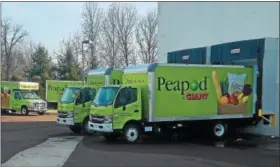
[31, 105]
[108, 119]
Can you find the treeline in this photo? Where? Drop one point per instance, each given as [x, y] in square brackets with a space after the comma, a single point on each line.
[119, 35]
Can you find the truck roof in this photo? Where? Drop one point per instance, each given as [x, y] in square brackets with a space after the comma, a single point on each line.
[142, 68]
[102, 71]
[20, 85]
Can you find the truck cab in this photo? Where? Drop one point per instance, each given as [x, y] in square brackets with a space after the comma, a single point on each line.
[116, 109]
[74, 107]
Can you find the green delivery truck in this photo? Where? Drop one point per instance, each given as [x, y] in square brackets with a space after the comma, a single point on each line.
[23, 97]
[156, 98]
[55, 89]
[74, 106]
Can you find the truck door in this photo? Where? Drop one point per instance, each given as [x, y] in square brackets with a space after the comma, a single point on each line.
[16, 101]
[79, 106]
[89, 96]
[127, 107]
[83, 103]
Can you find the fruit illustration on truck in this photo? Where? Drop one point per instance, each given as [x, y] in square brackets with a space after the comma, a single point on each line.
[232, 93]
[55, 89]
[156, 98]
[74, 105]
[23, 97]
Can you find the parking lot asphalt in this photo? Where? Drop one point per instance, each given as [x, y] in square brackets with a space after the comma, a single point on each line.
[93, 150]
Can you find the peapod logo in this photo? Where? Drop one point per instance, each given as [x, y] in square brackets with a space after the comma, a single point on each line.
[191, 90]
[134, 81]
[56, 88]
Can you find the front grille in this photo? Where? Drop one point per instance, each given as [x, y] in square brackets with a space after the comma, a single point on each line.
[39, 104]
[97, 119]
[62, 114]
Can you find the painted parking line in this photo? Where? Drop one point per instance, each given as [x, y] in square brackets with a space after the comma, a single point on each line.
[52, 153]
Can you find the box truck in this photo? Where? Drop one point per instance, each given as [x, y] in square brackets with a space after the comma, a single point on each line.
[55, 89]
[74, 106]
[158, 97]
[23, 97]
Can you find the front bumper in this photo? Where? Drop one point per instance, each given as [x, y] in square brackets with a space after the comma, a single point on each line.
[37, 109]
[100, 127]
[65, 121]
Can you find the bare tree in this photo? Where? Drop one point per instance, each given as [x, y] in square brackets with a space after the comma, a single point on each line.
[109, 49]
[21, 64]
[76, 44]
[125, 23]
[11, 36]
[92, 18]
[28, 50]
[146, 37]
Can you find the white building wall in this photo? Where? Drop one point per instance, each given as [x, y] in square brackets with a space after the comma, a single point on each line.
[184, 25]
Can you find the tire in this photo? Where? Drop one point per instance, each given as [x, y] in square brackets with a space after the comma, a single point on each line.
[3, 111]
[85, 126]
[24, 110]
[75, 128]
[41, 113]
[131, 133]
[110, 137]
[220, 130]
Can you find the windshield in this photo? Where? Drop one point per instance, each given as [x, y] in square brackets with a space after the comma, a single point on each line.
[105, 96]
[69, 95]
[29, 95]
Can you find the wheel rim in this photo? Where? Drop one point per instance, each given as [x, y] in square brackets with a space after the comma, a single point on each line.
[219, 130]
[131, 134]
[23, 111]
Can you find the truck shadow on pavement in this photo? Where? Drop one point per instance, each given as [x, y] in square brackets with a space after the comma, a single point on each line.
[234, 143]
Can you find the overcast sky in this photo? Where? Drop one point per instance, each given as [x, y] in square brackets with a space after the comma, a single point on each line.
[50, 22]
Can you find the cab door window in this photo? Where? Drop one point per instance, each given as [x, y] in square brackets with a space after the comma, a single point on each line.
[91, 94]
[81, 97]
[133, 95]
[17, 95]
[126, 96]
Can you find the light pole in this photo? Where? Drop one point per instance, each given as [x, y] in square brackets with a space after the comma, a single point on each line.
[83, 59]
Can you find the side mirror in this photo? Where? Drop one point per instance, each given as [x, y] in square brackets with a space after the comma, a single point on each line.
[124, 108]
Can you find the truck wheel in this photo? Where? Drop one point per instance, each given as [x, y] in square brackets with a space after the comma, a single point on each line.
[24, 111]
[110, 137]
[85, 127]
[131, 133]
[41, 113]
[219, 130]
[75, 128]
